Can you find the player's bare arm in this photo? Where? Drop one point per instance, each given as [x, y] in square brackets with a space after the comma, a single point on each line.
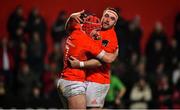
[92, 63]
[76, 17]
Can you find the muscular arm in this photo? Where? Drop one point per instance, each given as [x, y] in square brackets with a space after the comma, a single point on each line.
[110, 57]
[73, 19]
[92, 63]
[107, 58]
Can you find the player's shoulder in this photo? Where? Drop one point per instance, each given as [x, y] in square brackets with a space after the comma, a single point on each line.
[107, 32]
[78, 34]
[112, 31]
[113, 34]
[81, 37]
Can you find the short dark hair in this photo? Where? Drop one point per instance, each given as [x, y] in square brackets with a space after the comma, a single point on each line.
[113, 9]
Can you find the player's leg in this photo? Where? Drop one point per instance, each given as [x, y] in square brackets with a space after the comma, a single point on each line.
[95, 95]
[74, 92]
[77, 102]
[63, 100]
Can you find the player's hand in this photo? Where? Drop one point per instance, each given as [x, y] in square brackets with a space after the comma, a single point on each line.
[76, 16]
[95, 35]
[75, 63]
[118, 101]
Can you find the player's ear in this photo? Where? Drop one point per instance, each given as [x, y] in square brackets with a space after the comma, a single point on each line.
[115, 22]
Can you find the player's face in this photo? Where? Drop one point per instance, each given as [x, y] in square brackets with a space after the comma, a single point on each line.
[108, 20]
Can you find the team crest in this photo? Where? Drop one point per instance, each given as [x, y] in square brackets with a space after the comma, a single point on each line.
[105, 42]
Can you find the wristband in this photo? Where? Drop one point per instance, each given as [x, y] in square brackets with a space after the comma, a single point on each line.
[81, 64]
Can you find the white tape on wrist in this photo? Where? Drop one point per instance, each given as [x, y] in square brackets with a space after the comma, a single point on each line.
[101, 54]
[81, 64]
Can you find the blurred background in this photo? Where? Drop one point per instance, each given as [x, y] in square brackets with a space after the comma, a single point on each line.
[145, 75]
